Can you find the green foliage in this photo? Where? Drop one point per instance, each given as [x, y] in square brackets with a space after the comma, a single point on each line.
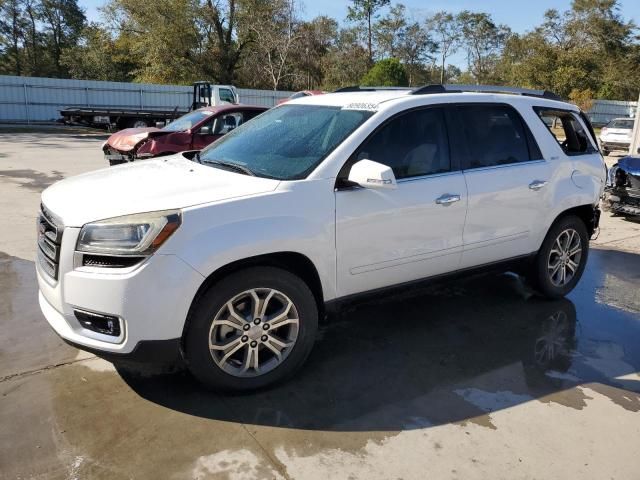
[386, 73]
[590, 50]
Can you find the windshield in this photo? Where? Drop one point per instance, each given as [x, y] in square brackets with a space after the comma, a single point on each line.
[628, 124]
[288, 142]
[187, 121]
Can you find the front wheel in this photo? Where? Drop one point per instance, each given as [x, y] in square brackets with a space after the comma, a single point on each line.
[252, 329]
[562, 258]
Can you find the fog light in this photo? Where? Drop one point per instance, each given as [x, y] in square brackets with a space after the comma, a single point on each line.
[104, 324]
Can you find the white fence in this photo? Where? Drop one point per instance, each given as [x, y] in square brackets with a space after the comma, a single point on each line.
[32, 99]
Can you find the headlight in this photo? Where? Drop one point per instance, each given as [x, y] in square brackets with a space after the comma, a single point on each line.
[140, 234]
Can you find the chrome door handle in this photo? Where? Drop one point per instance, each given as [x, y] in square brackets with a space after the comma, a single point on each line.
[537, 184]
[447, 199]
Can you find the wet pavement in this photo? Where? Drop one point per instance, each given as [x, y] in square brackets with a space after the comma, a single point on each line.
[457, 354]
[474, 379]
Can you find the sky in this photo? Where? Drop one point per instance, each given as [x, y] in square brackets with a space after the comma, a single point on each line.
[519, 15]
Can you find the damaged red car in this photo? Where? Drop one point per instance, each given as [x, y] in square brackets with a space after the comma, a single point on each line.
[192, 131]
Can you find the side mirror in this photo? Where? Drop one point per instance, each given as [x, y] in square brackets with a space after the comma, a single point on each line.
[205, 130]
[370, 174]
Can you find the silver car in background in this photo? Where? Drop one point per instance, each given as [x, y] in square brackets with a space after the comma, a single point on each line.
[616, 135]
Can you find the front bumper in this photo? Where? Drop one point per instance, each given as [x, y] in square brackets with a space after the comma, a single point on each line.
[151, 301]
[619, 201]
[615, 144]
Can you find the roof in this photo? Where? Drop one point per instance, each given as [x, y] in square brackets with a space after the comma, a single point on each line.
[378, 99]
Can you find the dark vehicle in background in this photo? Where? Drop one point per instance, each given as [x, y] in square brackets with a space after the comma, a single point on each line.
[616, 135]
[192, 131]
[622, 194]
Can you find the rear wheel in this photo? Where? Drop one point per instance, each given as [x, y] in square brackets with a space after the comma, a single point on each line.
[562, 257]
[252, 329]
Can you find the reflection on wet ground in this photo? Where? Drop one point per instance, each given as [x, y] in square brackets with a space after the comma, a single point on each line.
[453, 354]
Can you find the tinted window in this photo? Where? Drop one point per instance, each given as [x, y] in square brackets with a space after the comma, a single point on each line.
[621, 123]
[412, 144]
[567, 130]
[286, 142]
[494, 135]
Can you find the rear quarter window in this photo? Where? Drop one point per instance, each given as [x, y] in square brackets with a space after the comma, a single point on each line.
[567, 130]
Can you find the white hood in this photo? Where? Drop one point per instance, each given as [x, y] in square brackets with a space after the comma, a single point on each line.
[146, 186]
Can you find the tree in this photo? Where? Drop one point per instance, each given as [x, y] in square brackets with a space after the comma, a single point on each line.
[415, 48]
[220, 22]
[317, 38]
[274, 34]
[347, 62]
[364, 12]
[98, 56]
[388, 30]
[483, 40]
[12, 25]
[63, 21]
[587, 51]
[386, 73]
[447, 31]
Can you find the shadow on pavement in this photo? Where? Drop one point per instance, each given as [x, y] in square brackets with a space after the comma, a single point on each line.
[447, 354]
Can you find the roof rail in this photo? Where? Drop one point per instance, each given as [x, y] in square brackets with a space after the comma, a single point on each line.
[439, 88]
[358, 88]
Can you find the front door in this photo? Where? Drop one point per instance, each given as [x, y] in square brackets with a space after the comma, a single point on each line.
[387, 237]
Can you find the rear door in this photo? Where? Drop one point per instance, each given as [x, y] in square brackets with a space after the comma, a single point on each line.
[507, 180]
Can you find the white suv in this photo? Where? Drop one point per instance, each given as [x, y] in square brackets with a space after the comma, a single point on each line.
[228, 258]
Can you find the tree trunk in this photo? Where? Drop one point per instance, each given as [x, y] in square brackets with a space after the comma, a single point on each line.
[369, 35]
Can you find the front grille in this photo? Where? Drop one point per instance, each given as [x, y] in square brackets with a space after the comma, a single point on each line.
[49, 241]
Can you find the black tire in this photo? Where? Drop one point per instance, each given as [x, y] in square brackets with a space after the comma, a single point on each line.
[138, 123]
[540, 276]
[196, 341]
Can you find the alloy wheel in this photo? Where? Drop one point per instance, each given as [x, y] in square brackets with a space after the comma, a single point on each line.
[254, 332]
[564, 257]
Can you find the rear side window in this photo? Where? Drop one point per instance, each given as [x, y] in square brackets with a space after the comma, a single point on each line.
[413, 144]
[495, 135]
[621, 123]
[567, 130]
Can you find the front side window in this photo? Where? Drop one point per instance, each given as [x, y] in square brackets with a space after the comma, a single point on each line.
[494, 135]
[187, 121]
[412, 144]
[287, 142]
[567, 130]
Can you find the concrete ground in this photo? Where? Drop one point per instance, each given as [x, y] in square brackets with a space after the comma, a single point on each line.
[478, 379]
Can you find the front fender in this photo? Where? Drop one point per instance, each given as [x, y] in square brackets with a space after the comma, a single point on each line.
[218, 235]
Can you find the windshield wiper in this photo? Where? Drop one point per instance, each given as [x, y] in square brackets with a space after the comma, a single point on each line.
[229, 165]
